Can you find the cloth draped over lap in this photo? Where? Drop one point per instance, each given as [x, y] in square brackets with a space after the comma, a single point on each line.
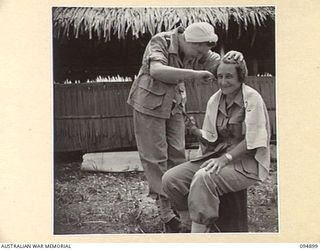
[256, 126]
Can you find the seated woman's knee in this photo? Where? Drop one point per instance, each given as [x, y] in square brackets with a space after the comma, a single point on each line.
[205, 176]
[200, 174]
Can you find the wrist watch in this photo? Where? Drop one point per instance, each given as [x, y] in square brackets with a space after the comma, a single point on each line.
[229, 157]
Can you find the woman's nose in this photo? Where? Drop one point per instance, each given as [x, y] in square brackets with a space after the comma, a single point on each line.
[222, 80]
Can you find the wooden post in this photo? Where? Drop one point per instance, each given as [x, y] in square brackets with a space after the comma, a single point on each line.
[255, 67]
[233, 212]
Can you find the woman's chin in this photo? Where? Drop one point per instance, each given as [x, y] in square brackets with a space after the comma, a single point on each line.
[226, 91]
[229, 91]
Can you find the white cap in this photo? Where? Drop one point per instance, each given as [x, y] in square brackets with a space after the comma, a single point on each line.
[200, 32]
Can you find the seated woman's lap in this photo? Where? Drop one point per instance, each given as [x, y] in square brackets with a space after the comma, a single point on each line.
[227, 180]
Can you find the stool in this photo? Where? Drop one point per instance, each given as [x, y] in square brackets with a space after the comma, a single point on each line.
[233, 215]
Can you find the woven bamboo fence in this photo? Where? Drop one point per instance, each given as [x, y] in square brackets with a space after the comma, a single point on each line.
[95, 117]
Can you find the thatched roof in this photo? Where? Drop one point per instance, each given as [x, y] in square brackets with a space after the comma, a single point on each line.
[102, 23]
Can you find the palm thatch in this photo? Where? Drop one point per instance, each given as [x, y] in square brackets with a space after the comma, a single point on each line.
[102, 23]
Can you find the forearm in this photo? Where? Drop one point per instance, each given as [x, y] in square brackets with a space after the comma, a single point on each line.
[214, 165]
[170, 74]
[239, 150]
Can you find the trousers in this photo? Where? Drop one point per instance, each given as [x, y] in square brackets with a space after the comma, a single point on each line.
[161, 145]
[191, 188]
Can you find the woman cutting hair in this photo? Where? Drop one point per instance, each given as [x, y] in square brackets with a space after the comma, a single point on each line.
[234, 150]
[158, 97]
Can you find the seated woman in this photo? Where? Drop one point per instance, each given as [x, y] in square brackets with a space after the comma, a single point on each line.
[234, 146]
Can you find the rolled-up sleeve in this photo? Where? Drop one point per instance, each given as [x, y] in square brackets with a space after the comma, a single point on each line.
[157, 50]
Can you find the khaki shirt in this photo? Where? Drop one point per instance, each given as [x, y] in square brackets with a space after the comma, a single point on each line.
[229, 120]
[231, 131]
[229, 125]
[156, 98]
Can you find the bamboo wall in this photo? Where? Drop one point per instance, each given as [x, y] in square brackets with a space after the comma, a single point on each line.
[95, 117]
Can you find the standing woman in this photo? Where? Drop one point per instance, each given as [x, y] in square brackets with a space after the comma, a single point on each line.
[234, 145]
[158, 98]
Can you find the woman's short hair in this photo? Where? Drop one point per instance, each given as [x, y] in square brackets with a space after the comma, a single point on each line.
[241, 68]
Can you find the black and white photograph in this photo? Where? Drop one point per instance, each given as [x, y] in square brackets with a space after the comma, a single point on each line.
[164, 120]
[170, 124]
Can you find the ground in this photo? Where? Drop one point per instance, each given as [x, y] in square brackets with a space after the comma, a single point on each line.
[109, 203]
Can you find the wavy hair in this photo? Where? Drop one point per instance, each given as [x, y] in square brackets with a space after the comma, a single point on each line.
[241, 68]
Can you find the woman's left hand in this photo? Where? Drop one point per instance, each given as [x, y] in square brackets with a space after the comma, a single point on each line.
[236, 55]
[215, 164]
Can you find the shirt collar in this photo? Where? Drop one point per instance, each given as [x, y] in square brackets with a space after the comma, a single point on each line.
[238, 99]
[174, 40]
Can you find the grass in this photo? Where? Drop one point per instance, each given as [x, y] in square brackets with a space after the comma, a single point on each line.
[117, 203]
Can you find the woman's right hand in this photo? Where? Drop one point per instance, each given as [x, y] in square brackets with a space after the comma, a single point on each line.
[203, 75]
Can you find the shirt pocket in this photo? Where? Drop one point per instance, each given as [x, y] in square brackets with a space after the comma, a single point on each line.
[250, 166]
[235, 123]
[151, 93]
[237, 117]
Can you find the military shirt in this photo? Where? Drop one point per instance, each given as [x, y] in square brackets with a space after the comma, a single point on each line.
[156, 98]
